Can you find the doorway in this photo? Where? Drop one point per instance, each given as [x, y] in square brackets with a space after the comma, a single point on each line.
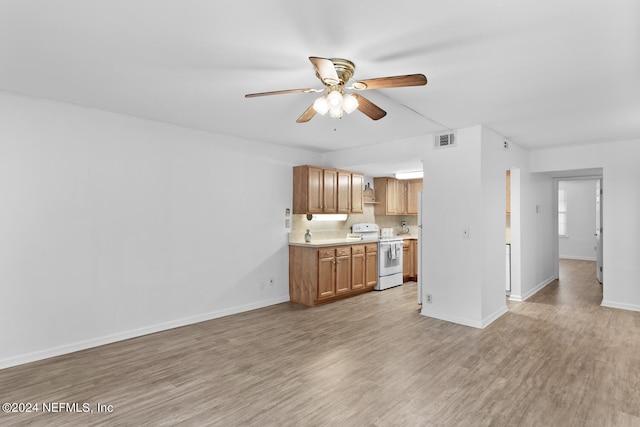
[579, 203]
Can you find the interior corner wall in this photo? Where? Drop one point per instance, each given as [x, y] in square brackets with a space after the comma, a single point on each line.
[532, 214]
[621, 210]
[113, 227]
[493, 227]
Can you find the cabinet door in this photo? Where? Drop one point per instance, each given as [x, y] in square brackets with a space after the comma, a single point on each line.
[344, 192]
[392, 196]
[358, 262]
[414, 186]
[407, 260]
[330, 194]
[401, 197]
[357, 187]
[371, 267]
[315, 177]
[343, 274]
[414, 256]
[326, 277]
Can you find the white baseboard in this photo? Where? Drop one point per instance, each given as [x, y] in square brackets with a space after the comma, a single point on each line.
[494, 316]
[533, 291]
[578, 258]
[620, 305]
[121, 336]
[463, 320]
[453, 319]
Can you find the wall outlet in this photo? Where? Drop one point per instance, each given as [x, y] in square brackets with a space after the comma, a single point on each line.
[271, 281]
[287, 223]
[428, 298]
[465, 232]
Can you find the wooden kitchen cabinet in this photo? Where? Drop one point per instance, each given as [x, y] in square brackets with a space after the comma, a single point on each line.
[357, 190]
[409, 260]
[358, 267]
[396, 197]
[344, 192]
[308, 189]
[330, 191]
[326, 274]
[414, 187]
[319, 190]
[387, 195]
[343, 270]
[371, 265]
[321, 275]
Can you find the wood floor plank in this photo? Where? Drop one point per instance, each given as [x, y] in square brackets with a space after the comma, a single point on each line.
[557, 359]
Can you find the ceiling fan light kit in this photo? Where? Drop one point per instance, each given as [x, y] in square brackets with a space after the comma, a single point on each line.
[334, 73]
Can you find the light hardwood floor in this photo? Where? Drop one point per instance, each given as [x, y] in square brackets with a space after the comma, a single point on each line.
[558, 359]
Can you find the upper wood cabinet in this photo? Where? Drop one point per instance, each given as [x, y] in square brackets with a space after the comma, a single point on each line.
[344, 192]
[330, 191]
[357, 191]
[396, 197]
[414, 187]
[320, 190]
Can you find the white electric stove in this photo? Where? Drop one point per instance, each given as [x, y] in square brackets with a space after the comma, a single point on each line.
[389, 255]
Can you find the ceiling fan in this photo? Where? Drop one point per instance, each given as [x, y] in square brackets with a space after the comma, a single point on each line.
[334, 73]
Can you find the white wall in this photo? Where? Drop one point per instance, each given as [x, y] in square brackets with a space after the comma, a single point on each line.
[581, 216]
[621, 210]
[113, 226]
[533, 243]
[452, 200]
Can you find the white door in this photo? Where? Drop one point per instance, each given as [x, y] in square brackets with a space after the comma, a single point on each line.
[598, 232]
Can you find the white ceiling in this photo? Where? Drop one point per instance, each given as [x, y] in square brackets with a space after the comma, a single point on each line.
[539, 72]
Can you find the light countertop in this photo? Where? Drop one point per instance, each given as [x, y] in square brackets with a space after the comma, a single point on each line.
[319, 243]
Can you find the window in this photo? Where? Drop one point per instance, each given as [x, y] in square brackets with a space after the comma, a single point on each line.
[562, 213]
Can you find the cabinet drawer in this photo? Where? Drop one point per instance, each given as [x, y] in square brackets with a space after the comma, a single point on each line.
[326, 253]
[344, 251]
[359, 249]
[371, 247]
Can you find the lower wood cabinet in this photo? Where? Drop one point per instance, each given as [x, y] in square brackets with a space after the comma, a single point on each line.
[321, 275]
[409, 260]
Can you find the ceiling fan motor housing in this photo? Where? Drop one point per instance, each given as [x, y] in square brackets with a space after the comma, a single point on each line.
[344, 69]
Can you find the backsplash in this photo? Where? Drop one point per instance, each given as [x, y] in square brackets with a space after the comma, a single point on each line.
[338, 229]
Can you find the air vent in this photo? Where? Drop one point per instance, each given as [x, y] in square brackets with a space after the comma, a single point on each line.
[444, 140]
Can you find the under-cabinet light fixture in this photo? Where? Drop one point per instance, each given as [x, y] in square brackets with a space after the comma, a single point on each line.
[409, 175]
[328, 217]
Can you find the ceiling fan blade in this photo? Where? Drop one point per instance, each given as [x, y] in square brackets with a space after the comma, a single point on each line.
[326, 70]
[307, 115]
[395, 81]
[278, 92]
[369, 108]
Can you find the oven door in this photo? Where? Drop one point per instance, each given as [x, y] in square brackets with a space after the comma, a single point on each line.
[389, 257]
